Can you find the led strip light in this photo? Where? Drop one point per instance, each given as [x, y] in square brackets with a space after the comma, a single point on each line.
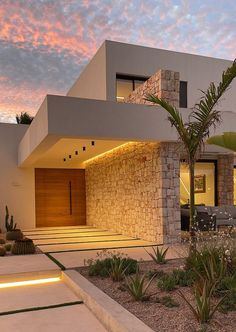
[29, 282]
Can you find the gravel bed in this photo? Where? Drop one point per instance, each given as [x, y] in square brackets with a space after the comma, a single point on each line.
[156, 315]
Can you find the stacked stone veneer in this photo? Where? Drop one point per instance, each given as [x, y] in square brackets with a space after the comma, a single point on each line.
[164, 84]
[134, 190]
[225, 180]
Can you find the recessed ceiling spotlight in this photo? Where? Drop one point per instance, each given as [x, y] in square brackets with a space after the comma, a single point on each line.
[92, 143]
[84, 148]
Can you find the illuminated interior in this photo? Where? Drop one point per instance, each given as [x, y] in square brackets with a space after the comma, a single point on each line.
[205, 183]
[125, 86]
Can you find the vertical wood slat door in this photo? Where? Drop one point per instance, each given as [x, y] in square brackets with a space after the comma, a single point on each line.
[60, 197]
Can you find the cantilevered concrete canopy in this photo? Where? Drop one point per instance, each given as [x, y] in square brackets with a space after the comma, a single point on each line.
[64, 125]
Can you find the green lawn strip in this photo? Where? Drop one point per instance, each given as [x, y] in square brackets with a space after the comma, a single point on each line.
[61, 266]
[69, 237]
[18, 311]
[83, 242]
[105, 248]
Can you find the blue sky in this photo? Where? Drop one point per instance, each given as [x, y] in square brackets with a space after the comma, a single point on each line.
[44, 44]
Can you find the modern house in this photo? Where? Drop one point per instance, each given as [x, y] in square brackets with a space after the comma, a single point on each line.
[101, 156]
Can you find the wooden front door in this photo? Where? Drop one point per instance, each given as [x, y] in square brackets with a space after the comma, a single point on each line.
[60, 197]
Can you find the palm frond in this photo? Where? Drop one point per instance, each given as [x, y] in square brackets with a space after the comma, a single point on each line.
[204, 114]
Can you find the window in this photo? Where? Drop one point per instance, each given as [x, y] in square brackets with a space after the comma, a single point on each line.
[126, 84]
[204, 183]
[183, 102]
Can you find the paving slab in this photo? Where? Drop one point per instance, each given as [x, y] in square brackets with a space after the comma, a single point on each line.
[76, 318]
[95, 245]
[79, 258]
[63, 231]
[67, 235]
[55, 228]
[101, 238]
[19, 267]
[29, 296]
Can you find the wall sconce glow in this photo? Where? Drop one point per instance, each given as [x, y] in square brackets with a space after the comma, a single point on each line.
[70, 156]
[120, 98]
[76, 153]
[29, 282]
[64, 159]
[84, 148]
[92, 143]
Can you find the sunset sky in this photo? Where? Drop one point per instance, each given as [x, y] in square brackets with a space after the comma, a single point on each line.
[45, 44]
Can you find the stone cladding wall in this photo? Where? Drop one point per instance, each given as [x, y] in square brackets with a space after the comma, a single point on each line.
[134, 190]
[225, 181]
[164, 84]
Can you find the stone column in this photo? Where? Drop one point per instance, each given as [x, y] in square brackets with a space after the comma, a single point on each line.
[165, 84]
[225, 179]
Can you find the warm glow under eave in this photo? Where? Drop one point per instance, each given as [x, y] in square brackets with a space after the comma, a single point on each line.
[29, 282]
[106, 152]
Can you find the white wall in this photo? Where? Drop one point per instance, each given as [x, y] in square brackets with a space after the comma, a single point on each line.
[92, 81]
[17, 185]
[197, 70]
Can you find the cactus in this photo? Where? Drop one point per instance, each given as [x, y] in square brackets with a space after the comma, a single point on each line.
[2, 241]
[14, 235]
[23, 247]
[2, 251]
[8, 246]
[10, 226]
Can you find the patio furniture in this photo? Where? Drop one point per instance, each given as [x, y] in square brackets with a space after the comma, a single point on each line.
[224, 215]
[203, 220]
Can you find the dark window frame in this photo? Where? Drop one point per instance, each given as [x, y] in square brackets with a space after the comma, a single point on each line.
[183, 94]
[212, 161]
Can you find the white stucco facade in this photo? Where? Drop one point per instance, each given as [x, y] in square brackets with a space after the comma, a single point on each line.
[90, 112]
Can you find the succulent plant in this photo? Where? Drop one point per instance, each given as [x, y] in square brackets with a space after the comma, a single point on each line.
[2, 241]
[2, 251]
[14, 235]
[10, 226]
[8, 246]
[23, 247]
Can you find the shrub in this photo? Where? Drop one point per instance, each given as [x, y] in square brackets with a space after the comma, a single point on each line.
[158, 255]
[167, 283]
[137, 287]
[2, 251]
[229, 304]
[209, 263]
[2, 241]
[103, 267]
[156, 273]
[167, 301]
[203, 309]
[8, 246]
[117, 269]
[183, 278]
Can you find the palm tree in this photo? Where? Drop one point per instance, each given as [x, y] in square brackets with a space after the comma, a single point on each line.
[24, 118]
[193, 133]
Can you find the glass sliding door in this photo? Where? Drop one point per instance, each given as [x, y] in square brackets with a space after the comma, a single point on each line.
[204, 183]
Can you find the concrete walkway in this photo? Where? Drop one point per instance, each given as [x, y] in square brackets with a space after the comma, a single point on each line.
[80, 238]
[46, 307]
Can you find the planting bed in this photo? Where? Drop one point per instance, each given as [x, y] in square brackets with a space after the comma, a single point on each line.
[156, 315]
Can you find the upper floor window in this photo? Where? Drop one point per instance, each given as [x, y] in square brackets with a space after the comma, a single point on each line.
[126, 84]
[183, 94]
